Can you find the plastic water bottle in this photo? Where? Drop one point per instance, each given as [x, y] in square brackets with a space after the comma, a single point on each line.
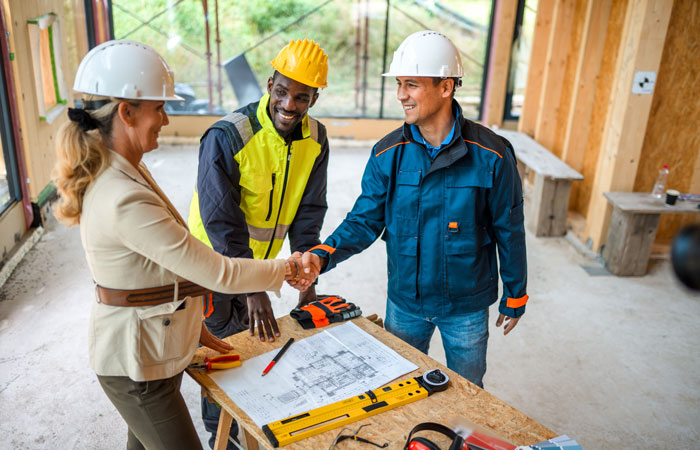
[660, 183]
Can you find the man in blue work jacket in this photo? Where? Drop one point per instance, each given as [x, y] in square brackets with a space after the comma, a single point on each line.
[445, 195]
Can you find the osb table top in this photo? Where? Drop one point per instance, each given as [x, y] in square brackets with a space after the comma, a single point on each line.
[462, 399]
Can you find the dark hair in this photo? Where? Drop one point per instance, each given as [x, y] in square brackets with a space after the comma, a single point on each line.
[457, 82]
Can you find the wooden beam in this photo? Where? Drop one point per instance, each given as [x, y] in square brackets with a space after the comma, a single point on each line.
[555, 69]
[641, 47]
[535, 72]
[499, 62]
[585, 83]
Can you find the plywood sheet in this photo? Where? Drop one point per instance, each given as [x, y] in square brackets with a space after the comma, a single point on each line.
[672, 136]
[462, 399]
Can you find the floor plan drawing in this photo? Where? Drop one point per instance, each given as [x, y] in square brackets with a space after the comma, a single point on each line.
[330, 366]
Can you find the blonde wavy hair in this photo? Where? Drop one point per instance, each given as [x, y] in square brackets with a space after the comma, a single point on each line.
[82, 156]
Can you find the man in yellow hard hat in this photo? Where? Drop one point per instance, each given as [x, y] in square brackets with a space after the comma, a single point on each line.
[262, 176]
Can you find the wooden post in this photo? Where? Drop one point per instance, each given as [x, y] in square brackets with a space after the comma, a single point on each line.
[499, 62]
[628, 245]
[641, 46]
[585, 83]
[548, 207]
[535, 72]
[557, 54]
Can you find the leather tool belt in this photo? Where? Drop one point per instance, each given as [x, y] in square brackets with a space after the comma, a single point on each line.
[149, 296]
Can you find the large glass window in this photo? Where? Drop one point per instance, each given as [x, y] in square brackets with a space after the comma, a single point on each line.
[205, 40]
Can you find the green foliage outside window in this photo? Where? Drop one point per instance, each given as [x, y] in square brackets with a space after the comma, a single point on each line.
[176, 28]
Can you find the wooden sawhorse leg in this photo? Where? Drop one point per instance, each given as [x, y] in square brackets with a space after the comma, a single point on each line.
[222, 434]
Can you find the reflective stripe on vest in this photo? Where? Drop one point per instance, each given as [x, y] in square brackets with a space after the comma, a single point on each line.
[262, 164]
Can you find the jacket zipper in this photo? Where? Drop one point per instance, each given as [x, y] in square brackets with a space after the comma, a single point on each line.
[272, 191]
[279, 210]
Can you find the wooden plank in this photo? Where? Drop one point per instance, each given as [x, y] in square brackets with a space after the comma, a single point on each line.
[535, 72]
[585, 83]
[643, 203]
[576, 49]
[628, 245]
[581, 192]
[640, 50]
[537, 157]
[557, 54]
[465, 399]
[499, 62]
[675, 113]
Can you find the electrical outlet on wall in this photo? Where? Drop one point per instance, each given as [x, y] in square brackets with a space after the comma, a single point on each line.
[644, 82]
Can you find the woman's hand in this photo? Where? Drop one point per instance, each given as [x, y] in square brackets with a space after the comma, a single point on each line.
[206, 339]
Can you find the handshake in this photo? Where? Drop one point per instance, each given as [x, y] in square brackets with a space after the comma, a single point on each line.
[303, 269]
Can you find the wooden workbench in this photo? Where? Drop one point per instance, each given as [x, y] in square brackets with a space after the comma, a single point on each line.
[633, 226]
[461, 399]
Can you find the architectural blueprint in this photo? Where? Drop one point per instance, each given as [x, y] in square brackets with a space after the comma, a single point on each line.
[330, 366]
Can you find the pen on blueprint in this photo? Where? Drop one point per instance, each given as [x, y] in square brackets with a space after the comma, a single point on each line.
[278, 356]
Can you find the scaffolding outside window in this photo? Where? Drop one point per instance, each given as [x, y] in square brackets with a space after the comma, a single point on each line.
[45, 43]
[201, 38]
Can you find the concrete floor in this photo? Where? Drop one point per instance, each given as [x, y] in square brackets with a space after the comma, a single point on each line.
[612, 362]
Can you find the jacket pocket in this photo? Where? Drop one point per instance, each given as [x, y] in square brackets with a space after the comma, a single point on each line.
[470, 265]
[407, 193]
[161, 336]
[256, 196]
[466, 190]
[402, 263]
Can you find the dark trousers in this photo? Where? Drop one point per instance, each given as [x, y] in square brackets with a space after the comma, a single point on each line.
[230, 316]
[154, 411]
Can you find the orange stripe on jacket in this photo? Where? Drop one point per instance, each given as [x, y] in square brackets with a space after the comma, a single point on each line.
[485, 148]
[517, 302]
[390, 147]
[323, 247]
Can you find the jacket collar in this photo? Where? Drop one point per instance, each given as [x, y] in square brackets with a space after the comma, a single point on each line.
[302, 130]
[455, 150]
[123, 165]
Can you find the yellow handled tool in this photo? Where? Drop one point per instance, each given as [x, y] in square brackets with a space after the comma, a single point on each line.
[350, 410]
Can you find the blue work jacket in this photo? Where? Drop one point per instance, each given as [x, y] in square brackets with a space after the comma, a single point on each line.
[443, 221]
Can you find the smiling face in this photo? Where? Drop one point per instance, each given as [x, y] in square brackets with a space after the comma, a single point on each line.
[150, 117]
[422, 99]
[289, 102]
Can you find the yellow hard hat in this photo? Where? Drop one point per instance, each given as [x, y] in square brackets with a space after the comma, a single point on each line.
[303, 61]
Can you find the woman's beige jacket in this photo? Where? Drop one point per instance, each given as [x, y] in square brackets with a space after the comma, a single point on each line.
[134, 238]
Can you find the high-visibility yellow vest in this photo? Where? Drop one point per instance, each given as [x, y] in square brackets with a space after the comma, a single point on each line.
[273, 177]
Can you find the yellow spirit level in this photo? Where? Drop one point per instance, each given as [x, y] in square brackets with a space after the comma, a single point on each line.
[350, 410]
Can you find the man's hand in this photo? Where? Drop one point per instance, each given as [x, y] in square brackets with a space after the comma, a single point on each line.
[311, 263]
[303, 279]
[260, 314]
[206, 339]
[510, 323]
[307, 296]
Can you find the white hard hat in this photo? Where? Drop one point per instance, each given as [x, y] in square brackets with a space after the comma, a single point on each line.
[426, 54]
[125, 69]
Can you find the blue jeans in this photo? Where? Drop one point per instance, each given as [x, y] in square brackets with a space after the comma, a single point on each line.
[464, 337]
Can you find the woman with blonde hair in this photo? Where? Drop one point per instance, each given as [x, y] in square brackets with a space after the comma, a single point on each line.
[150, 272]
